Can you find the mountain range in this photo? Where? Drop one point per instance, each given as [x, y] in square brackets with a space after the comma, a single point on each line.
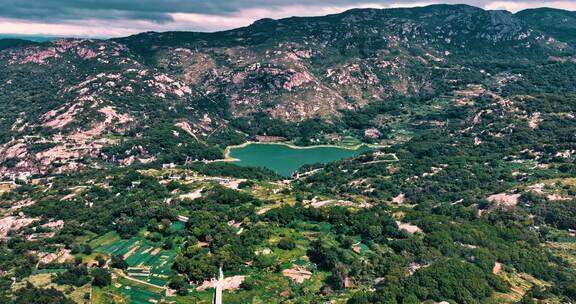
[461, 189]
[131, 100]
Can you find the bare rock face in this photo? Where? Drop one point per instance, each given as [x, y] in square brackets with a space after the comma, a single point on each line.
[372, 133]
[12, 223]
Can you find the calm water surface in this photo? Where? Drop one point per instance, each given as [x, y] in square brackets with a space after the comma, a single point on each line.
[285, 160]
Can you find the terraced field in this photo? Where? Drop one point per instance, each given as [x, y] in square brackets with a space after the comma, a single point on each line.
[148, 273]
[148, 262]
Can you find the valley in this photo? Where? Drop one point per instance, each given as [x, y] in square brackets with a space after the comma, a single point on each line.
[406, 155]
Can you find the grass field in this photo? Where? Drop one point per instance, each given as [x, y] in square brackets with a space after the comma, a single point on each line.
[564, 250]
[44, 280]
[107, 295]
[138, 293]
[350, 141]
[273, 193]
[6, 187]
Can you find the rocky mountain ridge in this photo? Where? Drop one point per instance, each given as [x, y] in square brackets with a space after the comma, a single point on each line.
[72, 103]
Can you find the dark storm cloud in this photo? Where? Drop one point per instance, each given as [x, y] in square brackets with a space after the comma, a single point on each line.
[108, 18]
[59, 10]
[159, 11]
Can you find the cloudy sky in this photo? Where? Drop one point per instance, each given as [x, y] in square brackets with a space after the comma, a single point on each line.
[112, 18]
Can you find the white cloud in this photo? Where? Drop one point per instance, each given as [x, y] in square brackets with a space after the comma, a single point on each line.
[515, 6]
[86, 28]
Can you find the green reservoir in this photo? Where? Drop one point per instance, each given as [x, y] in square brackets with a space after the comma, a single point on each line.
[285, 160]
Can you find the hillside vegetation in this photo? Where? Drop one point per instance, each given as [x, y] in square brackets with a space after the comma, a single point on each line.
[111, 190]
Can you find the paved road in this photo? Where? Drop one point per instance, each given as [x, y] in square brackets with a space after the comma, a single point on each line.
[218, 291]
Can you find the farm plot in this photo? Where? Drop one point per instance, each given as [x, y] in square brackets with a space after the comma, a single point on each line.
[139, 295]
[148, 262]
